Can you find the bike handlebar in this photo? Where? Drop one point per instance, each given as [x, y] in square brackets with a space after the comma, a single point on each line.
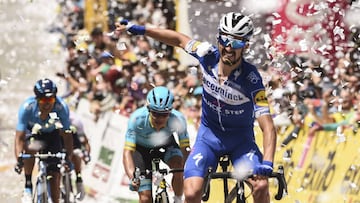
[282, 183]
[165, 171]
[60, 155]
[18, 167]
[282, 187]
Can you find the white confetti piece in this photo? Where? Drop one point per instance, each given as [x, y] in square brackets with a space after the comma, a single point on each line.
[275, 22]
[299, 83]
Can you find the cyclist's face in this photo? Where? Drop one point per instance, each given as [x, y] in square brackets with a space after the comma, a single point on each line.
[159, 120]
[230, 48]
[46, 104]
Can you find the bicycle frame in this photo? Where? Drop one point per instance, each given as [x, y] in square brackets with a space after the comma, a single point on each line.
[67, 194]
[161, 193]
[42, 192]
[238, 191]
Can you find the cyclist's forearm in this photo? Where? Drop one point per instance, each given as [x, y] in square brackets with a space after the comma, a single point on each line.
[185, 151]
[169, 37]
[19, 143]
[68, 142]
[128, 162]
[269, 145]
[87, 144]
[269, 137]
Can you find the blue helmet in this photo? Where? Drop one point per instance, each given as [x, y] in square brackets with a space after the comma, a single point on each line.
[160, 99]
[45, 88]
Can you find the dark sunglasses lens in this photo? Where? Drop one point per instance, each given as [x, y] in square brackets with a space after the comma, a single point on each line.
[46, 100]
[234, 43]
[157, 114]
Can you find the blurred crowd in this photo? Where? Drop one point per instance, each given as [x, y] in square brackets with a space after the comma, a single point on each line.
[116, 73]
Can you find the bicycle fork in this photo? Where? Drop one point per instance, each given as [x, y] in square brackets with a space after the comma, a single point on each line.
[43, 185]
[161, 193]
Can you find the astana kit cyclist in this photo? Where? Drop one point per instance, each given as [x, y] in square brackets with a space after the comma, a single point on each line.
[233, 97]
[50, 116]
[150, 129]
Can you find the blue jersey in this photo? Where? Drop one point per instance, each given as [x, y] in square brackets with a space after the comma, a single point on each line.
[230, 107]
[229, 110]
[29, 115]
[140, 132]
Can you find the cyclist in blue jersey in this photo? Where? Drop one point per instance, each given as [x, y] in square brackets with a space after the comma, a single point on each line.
[43, 120]
[151, 133]
[233, 97]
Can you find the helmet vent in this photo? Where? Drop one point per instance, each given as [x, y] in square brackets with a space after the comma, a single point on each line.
[167, 98]
[154, 98]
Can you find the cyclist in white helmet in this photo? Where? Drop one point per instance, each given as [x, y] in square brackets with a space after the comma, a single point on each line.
[150, 134]
[233, 97]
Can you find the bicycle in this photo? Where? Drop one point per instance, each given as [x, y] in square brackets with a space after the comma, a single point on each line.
[68, 194]
[66, 187]
[42, 192]
[238, 191]
[161, 194]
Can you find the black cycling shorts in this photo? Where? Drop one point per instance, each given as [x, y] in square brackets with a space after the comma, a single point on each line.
[143, 156]
[51, 142]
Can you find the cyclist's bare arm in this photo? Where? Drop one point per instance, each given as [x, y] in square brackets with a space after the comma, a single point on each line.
[128, 162]
[19, 142]
[68, 142]
[269, 136]
[185, 151]
[167, 36]
[86, 144]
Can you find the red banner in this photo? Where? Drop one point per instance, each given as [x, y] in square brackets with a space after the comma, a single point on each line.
[311, 27]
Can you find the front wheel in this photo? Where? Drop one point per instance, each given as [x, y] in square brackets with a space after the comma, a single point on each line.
[162, 197]
[42, 191]
[66, 188]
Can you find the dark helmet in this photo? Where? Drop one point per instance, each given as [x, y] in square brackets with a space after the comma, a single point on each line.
[160, 99]
[45, 88]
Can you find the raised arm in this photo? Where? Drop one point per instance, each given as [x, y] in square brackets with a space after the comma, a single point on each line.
[167, 36]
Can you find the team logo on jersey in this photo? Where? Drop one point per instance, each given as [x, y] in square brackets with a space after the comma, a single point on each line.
[253, 78]
[261, 99]
[224, 93]
[194, 47]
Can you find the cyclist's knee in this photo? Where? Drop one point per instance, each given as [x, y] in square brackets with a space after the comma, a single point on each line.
[261, 190]
[176, 162]
[261, 185]
[145, 196]
[193, 189]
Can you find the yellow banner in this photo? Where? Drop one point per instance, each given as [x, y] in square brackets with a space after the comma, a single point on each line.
[321, 169]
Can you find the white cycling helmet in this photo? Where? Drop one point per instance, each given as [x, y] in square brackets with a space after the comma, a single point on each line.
[236, 24]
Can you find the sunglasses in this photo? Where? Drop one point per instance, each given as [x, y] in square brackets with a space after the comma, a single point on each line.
[226, 40]
[160, 114]
[44, 100]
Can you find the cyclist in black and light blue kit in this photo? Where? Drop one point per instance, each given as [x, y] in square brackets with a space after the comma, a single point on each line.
[233, 97]
[43, 121]
[151, 134]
